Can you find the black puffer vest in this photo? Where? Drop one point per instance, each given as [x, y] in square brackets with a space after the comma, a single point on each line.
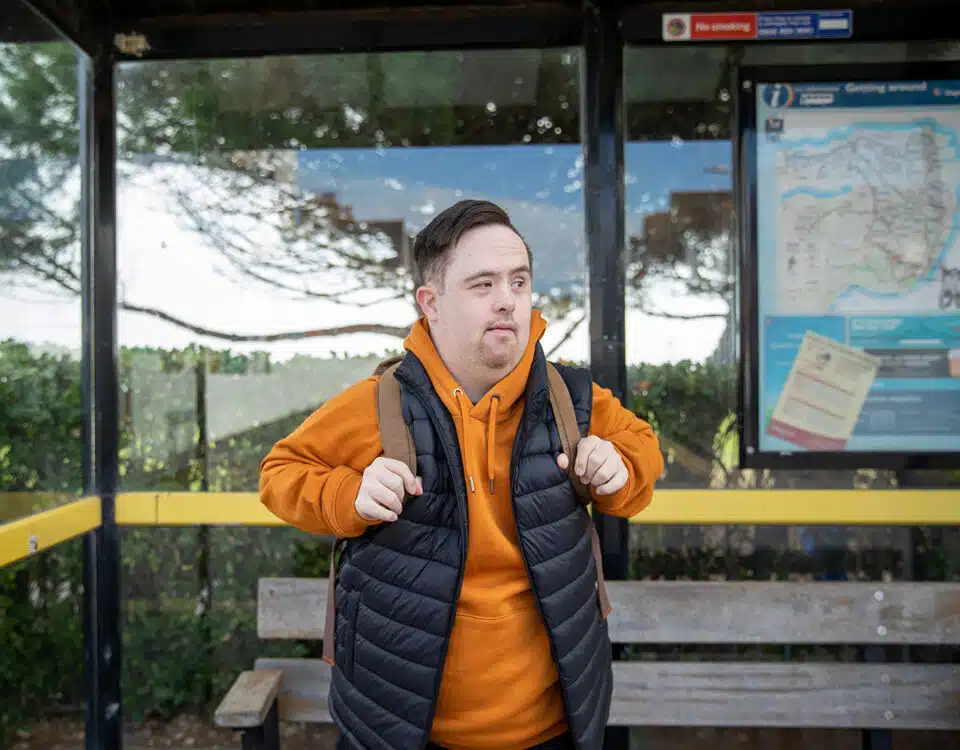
[397, 585]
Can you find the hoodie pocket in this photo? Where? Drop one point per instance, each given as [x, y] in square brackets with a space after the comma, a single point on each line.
[347, 633]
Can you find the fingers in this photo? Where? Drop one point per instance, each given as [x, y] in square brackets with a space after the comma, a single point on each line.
[592, 453]
[399, 469]
[387, 498]
[370, 510]
[606, 471]
[385, 484]
[584, 450]
[599, 465]
[614, 485]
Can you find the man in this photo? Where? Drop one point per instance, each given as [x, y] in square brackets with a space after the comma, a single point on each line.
[467, 607]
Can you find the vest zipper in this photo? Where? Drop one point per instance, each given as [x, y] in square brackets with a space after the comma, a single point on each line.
[460, 489]
[518, 441]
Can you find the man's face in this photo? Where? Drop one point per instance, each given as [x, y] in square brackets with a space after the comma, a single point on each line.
[480, 315]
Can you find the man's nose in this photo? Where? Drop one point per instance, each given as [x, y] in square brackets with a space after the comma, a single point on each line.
[505, 300]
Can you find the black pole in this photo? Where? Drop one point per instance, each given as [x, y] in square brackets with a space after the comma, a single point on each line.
[602, 134]
[102, 655]
[602, 128]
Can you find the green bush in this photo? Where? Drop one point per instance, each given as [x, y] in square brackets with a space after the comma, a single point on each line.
[188, 594]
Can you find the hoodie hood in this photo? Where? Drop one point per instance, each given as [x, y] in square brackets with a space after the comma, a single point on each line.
[497, 405]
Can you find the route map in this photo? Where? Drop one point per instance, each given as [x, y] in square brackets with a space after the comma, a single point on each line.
[858, 259]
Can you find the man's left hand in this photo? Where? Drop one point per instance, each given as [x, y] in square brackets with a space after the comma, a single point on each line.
[598, 465]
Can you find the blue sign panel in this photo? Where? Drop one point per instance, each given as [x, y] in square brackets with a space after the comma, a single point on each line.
[858, 266]
[834, 24]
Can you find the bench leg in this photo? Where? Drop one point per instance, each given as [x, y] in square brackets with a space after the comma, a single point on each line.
[616, 738]
[877, 739]
[266, 736]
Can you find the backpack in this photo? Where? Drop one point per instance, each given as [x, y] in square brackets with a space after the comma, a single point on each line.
[398, 444]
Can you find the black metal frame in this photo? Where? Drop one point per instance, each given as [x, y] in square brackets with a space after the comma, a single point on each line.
[102, 642]
[320, 33]
[602, 136]
[751, 455]
[910, 21]
[600, 28]
[68, 21]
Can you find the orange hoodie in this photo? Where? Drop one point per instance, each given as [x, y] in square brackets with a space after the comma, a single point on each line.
[500, 687]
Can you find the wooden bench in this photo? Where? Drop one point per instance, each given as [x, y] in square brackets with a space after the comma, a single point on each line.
[701, 692]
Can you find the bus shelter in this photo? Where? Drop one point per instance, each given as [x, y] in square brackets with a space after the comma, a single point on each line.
[238, 185]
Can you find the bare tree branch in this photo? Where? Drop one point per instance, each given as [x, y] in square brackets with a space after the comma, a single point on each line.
[398, 331]
[682, 316]
[568, 333]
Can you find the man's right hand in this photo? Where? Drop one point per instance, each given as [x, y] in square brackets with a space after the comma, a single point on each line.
[385, 483]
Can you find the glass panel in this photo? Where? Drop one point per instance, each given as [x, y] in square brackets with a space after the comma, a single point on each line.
[266, 215]
[41, 612]
[683, 353]
[682, 331]
[40, 327]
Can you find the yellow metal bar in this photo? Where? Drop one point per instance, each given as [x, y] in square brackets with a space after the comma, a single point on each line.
[33, 534]
[693, 507]
[193, 509]
[804, 507]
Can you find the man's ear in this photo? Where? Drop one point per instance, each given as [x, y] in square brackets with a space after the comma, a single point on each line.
[427, 300]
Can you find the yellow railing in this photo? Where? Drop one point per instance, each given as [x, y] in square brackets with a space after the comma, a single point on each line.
[40, 531]
[34, 533]
[695, 507]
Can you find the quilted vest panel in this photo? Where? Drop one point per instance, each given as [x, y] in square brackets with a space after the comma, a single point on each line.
[397, 585]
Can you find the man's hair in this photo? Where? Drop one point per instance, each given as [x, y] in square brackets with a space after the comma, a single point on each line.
[431, 248]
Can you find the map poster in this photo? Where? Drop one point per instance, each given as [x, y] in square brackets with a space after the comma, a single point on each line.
[855, 266]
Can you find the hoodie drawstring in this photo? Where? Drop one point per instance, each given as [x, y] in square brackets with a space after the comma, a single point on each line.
[492, 436]
[464, 405]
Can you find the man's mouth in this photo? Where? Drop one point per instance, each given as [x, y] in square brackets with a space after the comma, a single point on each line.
[502, 327]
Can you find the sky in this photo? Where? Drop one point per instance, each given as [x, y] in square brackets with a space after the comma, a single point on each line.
[166, 264]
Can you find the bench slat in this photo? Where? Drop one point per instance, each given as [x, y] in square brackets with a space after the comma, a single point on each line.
[731, 612]
[854, 696]
[744, 612]
[306, 685]
[249, 699]
[808, 695]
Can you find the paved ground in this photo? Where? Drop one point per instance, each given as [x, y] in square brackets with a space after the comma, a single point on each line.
[198, 733]
[182, 733]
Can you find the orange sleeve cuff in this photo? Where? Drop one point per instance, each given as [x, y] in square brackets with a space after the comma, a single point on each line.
[343, 487]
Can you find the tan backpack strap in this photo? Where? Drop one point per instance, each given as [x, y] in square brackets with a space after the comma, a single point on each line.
[394, 433]
[330, 618]
[397, 444]
[570, 438]
[567, 426]
[602, 594]
[387, 364]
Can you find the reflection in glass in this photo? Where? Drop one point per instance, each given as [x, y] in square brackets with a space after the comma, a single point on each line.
[681, 342]
[40, 329]
[266, 216]
[682, 322]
